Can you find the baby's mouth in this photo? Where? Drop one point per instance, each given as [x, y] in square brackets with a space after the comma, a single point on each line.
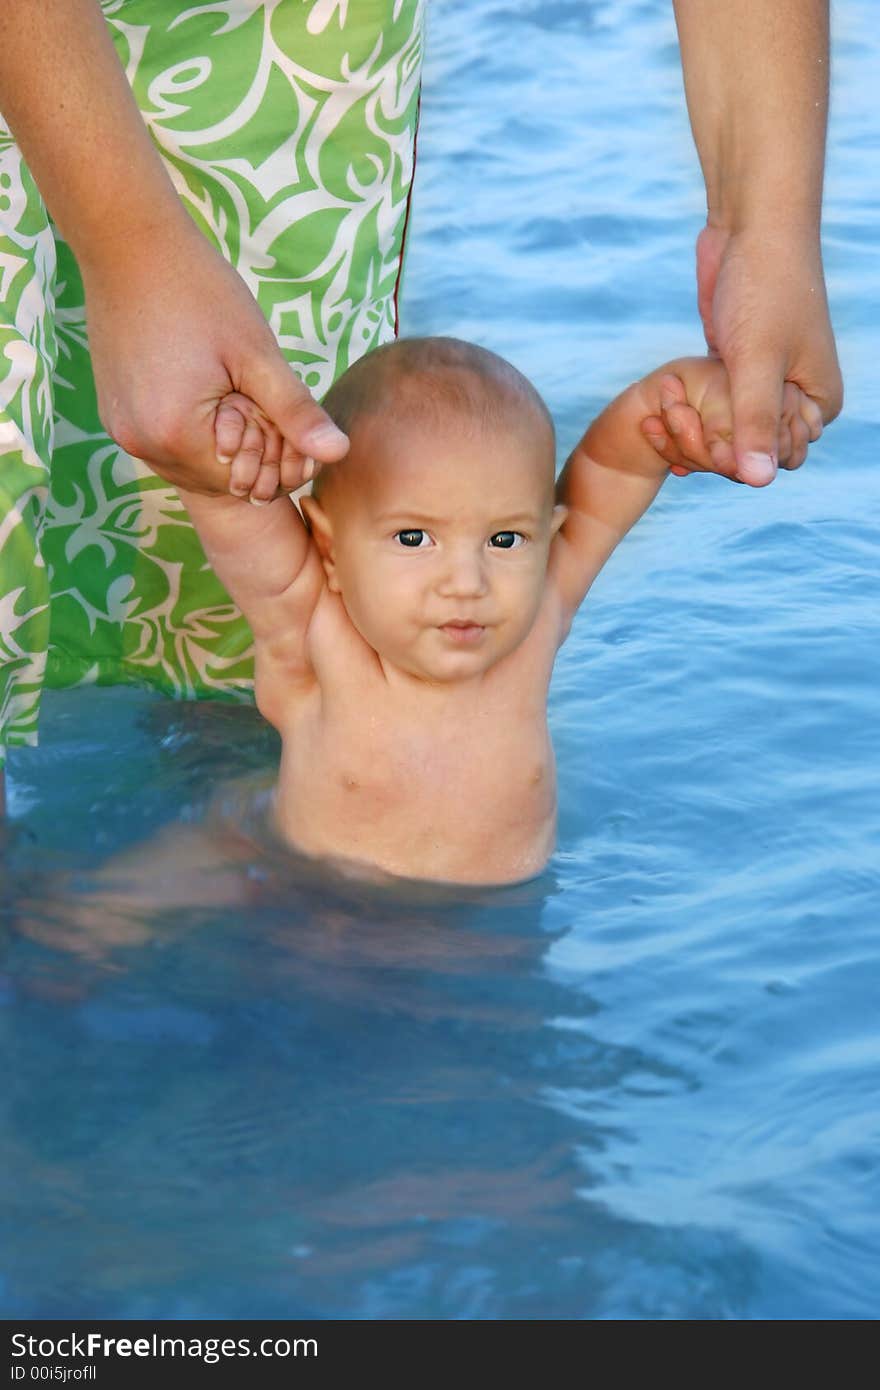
[463, 630]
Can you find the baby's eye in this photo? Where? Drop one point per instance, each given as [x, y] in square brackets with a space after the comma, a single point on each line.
[506, 540]
[414, 539]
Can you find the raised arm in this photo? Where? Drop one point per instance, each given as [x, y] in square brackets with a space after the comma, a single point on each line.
[265, 559]
[756, 78]
[614, 474]
[172, 327]
[610, 479]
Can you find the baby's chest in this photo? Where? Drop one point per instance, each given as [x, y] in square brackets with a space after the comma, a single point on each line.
[394, 755]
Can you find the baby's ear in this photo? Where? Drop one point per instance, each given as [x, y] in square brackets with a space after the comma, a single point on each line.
[321, 529]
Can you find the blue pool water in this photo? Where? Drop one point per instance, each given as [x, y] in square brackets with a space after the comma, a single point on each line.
[645, 1086]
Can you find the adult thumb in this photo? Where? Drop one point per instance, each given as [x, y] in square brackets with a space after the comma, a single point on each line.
[282, 397]
[756, 387]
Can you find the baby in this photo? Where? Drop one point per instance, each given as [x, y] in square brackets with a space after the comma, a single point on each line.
[405, 631]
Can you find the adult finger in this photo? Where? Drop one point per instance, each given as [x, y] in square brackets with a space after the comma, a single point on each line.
[756, 386]
[296, 468]
[811, 412]
[798, 424]
[718, 430]
[784, 442]
[287, 403]
[800, 443]
[796, 403]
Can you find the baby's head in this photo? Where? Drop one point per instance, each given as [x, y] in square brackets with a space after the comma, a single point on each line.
[435, 529]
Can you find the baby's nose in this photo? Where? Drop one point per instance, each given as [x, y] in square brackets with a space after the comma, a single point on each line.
[464, 575]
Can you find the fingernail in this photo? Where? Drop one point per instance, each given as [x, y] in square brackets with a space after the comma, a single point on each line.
[238, 491]
[224, 458]
[667, 398]
[756, 469]
[308, 470]
[323, 436]
[259, 501]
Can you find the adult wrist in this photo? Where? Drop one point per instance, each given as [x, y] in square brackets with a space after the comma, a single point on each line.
[779, 228]
[129, 245]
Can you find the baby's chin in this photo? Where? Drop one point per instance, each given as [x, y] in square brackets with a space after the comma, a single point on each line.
[444, 660]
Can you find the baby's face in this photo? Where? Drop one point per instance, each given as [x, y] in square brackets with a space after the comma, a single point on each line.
[440, 541]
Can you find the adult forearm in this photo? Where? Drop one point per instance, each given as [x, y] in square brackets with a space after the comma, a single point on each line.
[65, 97]
[173, 329]
[756, 79]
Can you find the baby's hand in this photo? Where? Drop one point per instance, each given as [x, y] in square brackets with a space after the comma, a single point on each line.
[262, 465]
[694, 430]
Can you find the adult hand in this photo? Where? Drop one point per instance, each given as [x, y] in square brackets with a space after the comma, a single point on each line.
[173, 330]
[756, 80]
[694, 429]
[765, 314]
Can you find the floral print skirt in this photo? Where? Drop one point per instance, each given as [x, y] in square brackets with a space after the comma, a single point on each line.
[288, 128]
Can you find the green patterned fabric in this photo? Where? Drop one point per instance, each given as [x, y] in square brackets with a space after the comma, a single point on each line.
[288, 129]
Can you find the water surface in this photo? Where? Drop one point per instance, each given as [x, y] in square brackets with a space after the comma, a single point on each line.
[644, 1086]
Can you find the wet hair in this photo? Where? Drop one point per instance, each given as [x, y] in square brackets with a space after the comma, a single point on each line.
[427, 379]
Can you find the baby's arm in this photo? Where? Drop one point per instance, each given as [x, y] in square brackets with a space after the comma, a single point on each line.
[608, 482]
[264, 557]
[614, 473]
